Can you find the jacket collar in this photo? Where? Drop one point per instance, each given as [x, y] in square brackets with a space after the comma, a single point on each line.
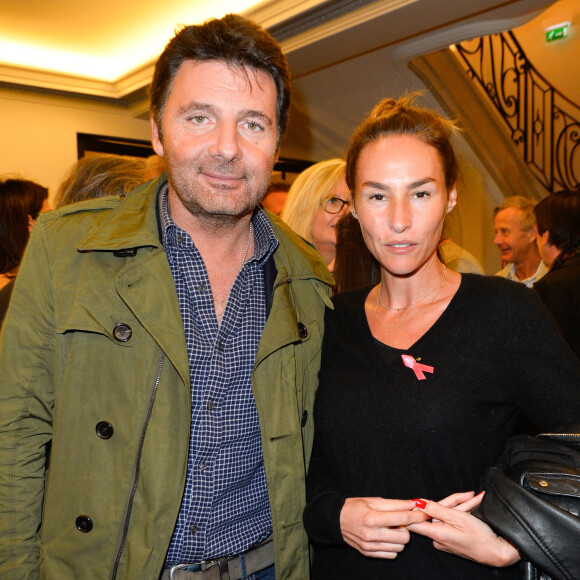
[131, 224]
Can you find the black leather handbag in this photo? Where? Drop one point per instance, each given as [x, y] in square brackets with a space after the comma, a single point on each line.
[533, 500]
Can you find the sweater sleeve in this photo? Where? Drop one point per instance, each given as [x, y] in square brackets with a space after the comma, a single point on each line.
[324, 500]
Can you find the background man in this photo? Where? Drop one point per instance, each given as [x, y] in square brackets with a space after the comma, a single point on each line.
[558, 228]
[167, 344]
[515, 236]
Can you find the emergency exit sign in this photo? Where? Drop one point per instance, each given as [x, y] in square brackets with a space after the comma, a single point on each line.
[557, 32]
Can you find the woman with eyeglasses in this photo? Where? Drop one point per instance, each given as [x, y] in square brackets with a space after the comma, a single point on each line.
[316, 201]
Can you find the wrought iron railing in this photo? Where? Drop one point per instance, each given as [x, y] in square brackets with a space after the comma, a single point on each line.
[544, 124]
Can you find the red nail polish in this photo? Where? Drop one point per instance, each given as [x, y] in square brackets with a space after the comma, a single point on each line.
[420, 503]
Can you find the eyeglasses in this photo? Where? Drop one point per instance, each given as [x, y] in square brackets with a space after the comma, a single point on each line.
[335, 205]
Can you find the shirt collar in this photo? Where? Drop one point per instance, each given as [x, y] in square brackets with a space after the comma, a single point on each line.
[265, 240]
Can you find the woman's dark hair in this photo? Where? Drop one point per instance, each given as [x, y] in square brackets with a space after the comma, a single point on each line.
[401, 117]
[559, 214]
[233, 40]
[354, 265]
[19, 199]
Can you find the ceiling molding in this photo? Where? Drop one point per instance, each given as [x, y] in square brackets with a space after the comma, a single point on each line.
[314, 34]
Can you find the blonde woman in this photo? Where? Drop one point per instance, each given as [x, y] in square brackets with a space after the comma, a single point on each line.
[316, 201]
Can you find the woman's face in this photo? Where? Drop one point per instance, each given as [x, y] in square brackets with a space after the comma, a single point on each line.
[401, 201]
[323, 229]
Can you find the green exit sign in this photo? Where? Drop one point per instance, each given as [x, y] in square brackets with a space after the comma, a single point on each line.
[557, 32]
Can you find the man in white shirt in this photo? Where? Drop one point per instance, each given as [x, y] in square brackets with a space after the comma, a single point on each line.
[515, 236]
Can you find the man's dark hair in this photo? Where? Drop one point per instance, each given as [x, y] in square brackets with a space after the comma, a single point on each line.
[233, 40]
[559, 214]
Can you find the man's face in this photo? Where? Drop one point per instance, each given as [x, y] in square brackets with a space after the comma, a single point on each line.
[514, 243]
[219, 139]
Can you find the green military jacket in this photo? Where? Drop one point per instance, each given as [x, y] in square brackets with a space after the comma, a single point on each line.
[116, 404]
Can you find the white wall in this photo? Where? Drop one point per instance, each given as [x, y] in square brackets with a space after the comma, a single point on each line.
[39, 132]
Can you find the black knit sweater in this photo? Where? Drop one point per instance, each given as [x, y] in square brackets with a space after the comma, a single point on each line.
[382, 432]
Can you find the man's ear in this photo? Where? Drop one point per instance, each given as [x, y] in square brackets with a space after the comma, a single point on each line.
[155, 138]
[532, 234]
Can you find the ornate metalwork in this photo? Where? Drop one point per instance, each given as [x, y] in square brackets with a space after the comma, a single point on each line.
[544, 124]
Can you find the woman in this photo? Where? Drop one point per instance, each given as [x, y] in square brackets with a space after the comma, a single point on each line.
[558, 239]
[102, 175]
[423, 376]
[20, 203]
[317, 199]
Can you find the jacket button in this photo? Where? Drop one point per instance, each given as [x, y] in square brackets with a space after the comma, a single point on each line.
[84, 524]
[104, 430]
[122, 332]
[302, 330]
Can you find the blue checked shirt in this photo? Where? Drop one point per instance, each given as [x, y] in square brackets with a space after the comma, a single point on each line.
[225, 508]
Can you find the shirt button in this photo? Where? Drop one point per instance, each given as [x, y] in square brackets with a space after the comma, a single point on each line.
[193, 529]
[202, 288]
[221, 347]
[210, 406]
[179, 238]
[202, 466]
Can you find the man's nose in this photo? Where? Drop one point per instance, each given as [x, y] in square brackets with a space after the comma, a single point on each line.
[225, 142]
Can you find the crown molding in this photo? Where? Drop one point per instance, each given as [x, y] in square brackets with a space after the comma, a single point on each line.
[314, 34]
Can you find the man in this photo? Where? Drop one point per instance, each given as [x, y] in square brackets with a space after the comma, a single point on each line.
[515, 236]
[167, 344]
[558, 229]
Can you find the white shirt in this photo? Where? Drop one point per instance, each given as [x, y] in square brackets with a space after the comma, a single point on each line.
[509, 272]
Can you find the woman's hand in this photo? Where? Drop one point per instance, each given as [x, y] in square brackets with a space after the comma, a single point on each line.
[456, 531]
[376, 527]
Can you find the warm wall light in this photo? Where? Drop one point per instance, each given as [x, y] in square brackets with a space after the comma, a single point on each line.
[120, 48]
[53, 60]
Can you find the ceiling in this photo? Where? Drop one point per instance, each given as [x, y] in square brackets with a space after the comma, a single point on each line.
[344, 54]
[102, 40]
[108, 48]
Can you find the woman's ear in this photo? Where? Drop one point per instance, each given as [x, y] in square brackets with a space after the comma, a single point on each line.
[451, 198]
[352, 208]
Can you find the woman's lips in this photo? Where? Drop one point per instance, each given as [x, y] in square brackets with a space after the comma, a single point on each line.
[400, 247]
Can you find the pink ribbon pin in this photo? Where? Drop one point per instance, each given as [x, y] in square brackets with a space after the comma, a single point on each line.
[418, 368]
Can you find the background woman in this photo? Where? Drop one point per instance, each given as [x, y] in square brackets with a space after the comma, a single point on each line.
[423, 376]
[316, 201]
[558, 225]
[102, 175]
[20, 203]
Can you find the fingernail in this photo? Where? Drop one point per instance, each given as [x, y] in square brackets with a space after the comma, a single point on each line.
[481, 492]
[420, 503]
